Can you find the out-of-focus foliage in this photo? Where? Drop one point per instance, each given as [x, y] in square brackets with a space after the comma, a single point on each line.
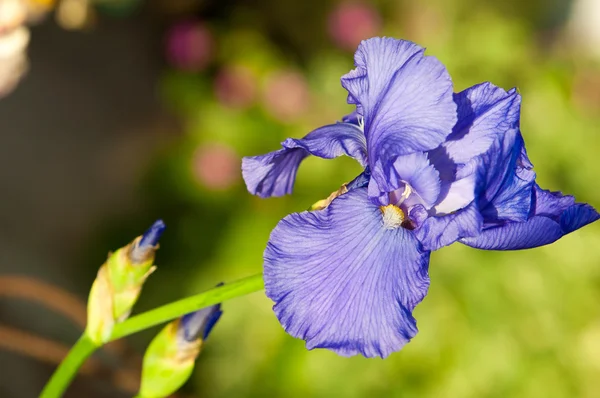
[244, 76]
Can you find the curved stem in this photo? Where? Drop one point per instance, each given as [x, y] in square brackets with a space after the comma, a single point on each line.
[60, 380]
[84, 347]
[184, 306]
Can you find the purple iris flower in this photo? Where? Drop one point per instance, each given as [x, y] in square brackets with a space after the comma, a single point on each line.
[439, 167]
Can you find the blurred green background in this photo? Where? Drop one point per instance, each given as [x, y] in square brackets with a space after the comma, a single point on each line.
[198, 85]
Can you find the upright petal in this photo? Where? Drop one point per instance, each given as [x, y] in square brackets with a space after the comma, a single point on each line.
[554, 216]
[404, 97]
[413, 172]
[500, 180]
[506, 180]
[508, 192]
[455, 194]
[274, 173]
[485, 114]
[341, 281]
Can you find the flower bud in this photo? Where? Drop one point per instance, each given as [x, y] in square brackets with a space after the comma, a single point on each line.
[170, 357]
[119, 283]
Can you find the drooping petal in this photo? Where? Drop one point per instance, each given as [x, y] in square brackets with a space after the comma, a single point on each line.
[437, 232]
[404, 97]
[554, 216]
[551, 204]
[412, 170]
[341, 281]
[485, 114]
[274, 173]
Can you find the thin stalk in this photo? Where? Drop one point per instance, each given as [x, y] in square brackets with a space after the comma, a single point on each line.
[64, 374]
[84, 347]
[184, 306]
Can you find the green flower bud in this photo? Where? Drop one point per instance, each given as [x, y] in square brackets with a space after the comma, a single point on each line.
[170, 357]
[119, 283]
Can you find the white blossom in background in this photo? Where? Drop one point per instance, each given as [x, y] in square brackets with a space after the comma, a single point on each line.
[12, 14]
[14, 37]
[585, 25]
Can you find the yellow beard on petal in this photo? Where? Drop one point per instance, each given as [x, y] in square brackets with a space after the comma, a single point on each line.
[393, 216]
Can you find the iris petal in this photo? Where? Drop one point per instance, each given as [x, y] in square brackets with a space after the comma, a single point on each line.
[553, 217]
[341, 281]
[437, 232]
[404, 97]
[507, 180]
[274, 173]
[413, 169]
[485, 114]
[551, 204]
[456, 194]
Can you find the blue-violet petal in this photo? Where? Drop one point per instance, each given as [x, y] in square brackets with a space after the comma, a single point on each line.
[341, 281]
[274, 173]
[404, 97]
[553, 217]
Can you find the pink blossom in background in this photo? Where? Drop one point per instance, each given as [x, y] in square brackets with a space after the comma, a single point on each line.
[286, 95]
[349, 23]
[216, 166]
[235, 86]
[189, 45]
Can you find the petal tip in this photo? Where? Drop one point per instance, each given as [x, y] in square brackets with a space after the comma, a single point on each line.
[152, 234]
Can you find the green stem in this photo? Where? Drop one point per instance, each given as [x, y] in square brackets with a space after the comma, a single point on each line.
[84, 347]
[60, 380]
[185, 306]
